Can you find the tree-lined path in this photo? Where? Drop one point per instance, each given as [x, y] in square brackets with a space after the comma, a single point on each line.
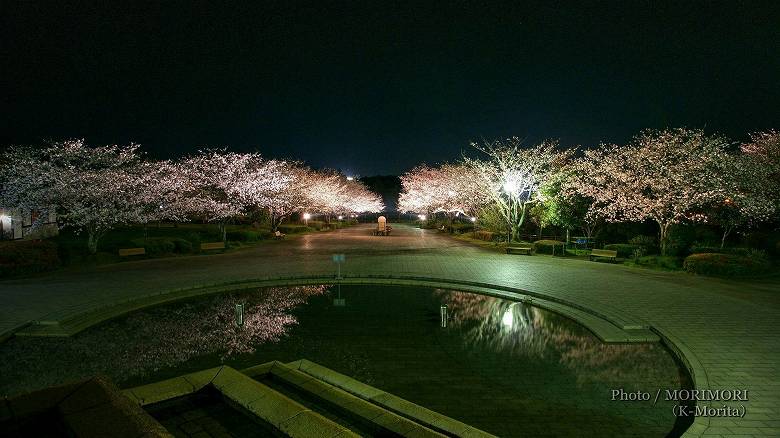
[731, 327]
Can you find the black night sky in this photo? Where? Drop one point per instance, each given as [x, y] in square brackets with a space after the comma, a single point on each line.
[375, 88]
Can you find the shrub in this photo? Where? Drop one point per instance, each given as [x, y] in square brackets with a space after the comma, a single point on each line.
[706, 249]
[726, 264]
[484, 235]
[680, 239]
[462, 228]
[293, 228]
[546, 246]
[193, 238]
[243, 236]
[27, 257]
[156, 245]
[624, 250]
[182, 246]
[658, 262]
[316, 225]
[718, 250]
[648, 243]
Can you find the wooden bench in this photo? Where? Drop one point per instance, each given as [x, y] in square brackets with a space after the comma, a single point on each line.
[605, 253]
[212, 245]
[520, 249]
[131, 252]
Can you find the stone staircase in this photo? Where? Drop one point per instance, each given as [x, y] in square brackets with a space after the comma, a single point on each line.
[298, 399]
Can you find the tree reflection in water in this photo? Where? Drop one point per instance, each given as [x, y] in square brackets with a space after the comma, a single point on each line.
[520, 330]
[153, 339]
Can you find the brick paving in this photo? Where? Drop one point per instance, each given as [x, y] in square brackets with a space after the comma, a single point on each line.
[729, 327]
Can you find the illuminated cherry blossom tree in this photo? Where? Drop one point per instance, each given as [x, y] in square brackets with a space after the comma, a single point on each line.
[510, 176]
[664, 176]
[764, 151]
[750, 197]
[213, 177]
[448, 189]
[93, 188]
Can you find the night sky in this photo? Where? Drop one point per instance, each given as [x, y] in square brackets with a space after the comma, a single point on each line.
[372, 88]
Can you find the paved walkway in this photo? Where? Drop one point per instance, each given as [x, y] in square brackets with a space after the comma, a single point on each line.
[731, 328]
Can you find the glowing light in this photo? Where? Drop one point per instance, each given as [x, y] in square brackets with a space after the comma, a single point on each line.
[341, 217]
[422, 217]
[473, 219]
[306, 216]
[510, 186]
[4, 218]
[508, 319]
[350, 178]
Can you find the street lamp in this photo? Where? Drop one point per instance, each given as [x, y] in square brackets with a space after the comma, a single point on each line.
[306, 217]
[421, 216]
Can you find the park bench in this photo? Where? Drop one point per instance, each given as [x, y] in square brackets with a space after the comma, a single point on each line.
[212, 245]
[131, 252]
[605, 253]
[523, 248]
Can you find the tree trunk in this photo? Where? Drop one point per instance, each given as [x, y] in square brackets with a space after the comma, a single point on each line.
[93, 236]
[663, 237]
[726, 232]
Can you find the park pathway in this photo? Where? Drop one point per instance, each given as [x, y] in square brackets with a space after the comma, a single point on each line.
[731, 328]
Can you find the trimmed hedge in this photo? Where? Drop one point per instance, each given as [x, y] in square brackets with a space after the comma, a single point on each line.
[155, 245]
[546, 246]
[27, 257]
[725, 264]
[294, 228]
[718, 250]
[462, 228]
[484, 235]
[649, 243]
[624, 250]
[243, 236]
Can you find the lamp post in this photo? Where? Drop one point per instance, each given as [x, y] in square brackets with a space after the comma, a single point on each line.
[306, 217]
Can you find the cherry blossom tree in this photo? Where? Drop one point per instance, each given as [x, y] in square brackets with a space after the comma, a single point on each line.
[213, 177]
[291, 195]
[448, 189]
[663, 176]
[749, 195]
[510, 176]
[764, 151]
[93, 188]
[357, 198]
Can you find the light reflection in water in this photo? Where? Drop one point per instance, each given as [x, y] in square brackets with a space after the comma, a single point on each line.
[520, 330]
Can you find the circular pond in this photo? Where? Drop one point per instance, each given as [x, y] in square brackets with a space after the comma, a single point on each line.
[505, 367]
